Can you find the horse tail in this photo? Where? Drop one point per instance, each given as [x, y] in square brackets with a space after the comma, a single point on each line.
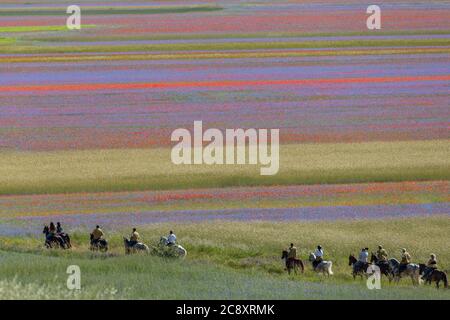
[444, 278]
[330, 272]
[69, 245]
[301, 265]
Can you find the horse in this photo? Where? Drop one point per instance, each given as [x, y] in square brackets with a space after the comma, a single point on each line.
[100, 244]
[385, 266]
[358, 266]
[66, 239]
[138, 247]
[176, 249]
[52, 240]
[412, 270]
[292, 264]
[435, 275]
[323, 267]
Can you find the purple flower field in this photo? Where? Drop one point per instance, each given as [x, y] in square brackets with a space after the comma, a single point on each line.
[124, 220]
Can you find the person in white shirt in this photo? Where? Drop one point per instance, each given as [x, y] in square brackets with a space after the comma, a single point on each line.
[171, 239]
[364, 255]
[319, 254]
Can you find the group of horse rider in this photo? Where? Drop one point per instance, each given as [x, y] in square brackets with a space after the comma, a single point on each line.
[292, 254]
[382, 257]
[363, 258]
[55, 232]
[98, 234]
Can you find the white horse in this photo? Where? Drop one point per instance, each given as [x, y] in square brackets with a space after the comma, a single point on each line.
[177, 249]
[322, 267]
[138, 247]
[412, 270]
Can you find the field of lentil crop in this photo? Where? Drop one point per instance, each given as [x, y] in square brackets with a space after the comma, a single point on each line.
[86, 118]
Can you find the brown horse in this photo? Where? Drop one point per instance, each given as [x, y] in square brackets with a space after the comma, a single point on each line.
[435, 275]
[292, 264]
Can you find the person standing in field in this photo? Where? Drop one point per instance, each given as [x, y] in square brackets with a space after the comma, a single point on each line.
[134, 238]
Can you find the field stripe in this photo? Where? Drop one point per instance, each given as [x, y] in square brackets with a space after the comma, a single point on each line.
[210, 84]
[221, 55]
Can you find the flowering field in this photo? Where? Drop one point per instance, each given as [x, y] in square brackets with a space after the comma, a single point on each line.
[130, 79]
[86, 117]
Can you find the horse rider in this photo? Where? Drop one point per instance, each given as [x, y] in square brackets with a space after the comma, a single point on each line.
[319, 254]
[134, 238]
[171, 239]
[52, 229]
[363, 256]
[51, 232]
[382, 254]
[292, 253]
[406, 259]
[431, 266]
[97, 234]
[59, 229]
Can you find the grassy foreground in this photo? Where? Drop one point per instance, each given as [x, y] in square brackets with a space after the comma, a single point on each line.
[228, 260]
[152, 169]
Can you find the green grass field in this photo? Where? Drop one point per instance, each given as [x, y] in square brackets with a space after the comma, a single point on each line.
[174, 47]
[152, 169]
[102, 10]
[227, 260]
